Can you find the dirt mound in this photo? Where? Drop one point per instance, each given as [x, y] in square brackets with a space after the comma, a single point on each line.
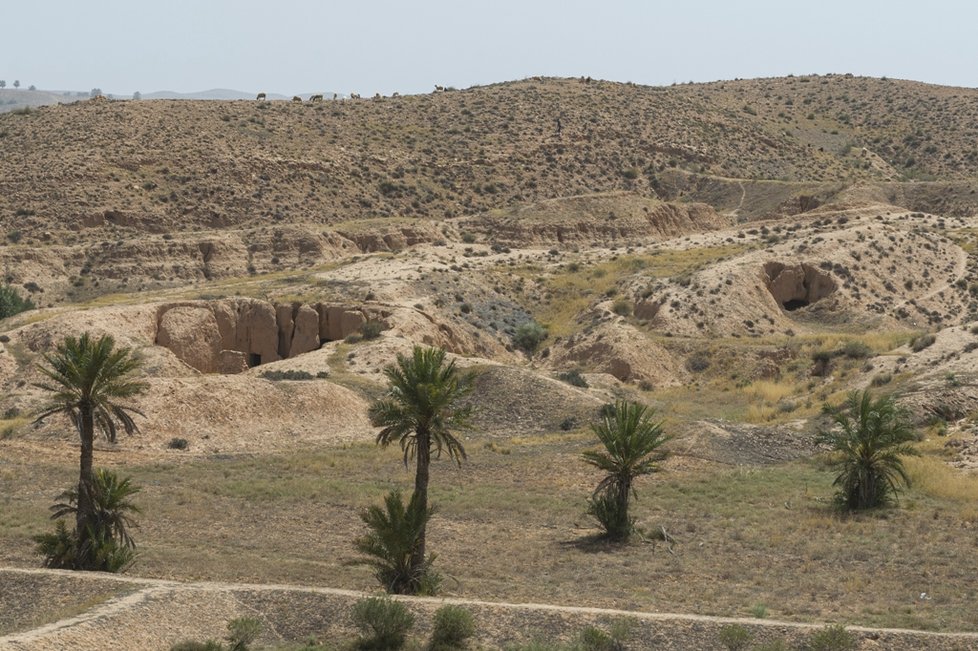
[510, 401]
[615, 217]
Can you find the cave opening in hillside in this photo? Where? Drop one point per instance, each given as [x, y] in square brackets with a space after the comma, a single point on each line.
[794, 304]
[254, 359]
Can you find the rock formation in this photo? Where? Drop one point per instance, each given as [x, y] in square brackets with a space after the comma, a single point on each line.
[232, 335]
[797, 286]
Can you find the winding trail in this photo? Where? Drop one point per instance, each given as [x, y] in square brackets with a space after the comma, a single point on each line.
[150, 588]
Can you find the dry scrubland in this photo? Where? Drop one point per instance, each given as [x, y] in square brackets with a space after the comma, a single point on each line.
[734, 254]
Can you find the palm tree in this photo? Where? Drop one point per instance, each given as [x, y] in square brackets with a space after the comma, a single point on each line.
[420, 411]
[870, 437]
[632, 442]
[390, 544]
[108, 545]
[87, 377]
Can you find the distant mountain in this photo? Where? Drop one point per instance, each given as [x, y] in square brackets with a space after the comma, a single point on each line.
[15, 99]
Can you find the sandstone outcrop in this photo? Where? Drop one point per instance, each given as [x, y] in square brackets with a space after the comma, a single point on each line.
[232, 335]
[797, 286]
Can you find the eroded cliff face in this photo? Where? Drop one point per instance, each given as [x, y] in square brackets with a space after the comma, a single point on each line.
[232, 335]
[799, 285]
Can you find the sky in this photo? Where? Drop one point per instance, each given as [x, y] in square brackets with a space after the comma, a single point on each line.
[369, 46]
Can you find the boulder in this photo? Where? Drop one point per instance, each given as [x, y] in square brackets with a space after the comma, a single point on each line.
[193, 335]
[232, 361]
[305, 331]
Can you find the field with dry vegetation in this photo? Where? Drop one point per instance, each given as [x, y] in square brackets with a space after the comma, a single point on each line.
[736, 255]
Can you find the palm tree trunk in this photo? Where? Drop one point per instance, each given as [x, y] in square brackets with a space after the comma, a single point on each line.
[420, 497]
[85, 481]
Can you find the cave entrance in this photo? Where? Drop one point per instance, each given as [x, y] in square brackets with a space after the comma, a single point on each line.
[254, 359]
[795, 304]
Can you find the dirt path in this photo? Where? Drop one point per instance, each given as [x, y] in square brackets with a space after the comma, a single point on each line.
[100, 616]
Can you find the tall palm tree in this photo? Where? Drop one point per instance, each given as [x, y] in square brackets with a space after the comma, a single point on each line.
[632, 442]
[87, 378]
[420, 411]
[870, 437]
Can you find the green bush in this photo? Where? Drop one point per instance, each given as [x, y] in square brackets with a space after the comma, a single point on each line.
[371, 329]
[384, 623]
[209, 645]
[278, 376]
[11, 303]
[922, 342]
[611, 514]
[832, 638]
[453, 627]
[242, 631]
[622, 307]
[698, 362]
[735, 637]
[529, 336]
[574, 378]
[857, 350]
[773, 645]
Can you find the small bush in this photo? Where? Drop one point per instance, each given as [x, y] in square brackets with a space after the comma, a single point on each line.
[622, 307]
[178, 444]
[882, 379]
[353, 338]
[371, 329]
[242, 631]
[529, 336]
[11, 302]
[574, 378]
[698, 362]
[568, 424]
[773, 645]
[857, 350]
[735, 637]
[610, 514]
[276, 376]
[453, 626]
[209, 645]
[832, 638]
[384, 623]
[595, 639]
[922, 342]
[468, 238]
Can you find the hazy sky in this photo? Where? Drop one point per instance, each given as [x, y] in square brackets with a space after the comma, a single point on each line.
[367, 46]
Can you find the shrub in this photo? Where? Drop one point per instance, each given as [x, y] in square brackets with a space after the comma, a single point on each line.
[371, 329]
[773, 645]
[821, 363]
[735, 637]
[622, 307]
[242, 631]
[882, 379]
[453, 626]
[209, 645]
[922, 342]
[529, 336]
[178, 444]
[698, 362]
[574, 378]
[384, 623]
[832, 638]
[277, 376]
[11, 302]
[856, 350]
[468, 238]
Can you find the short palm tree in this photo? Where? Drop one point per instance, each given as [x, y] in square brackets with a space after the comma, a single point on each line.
[420, 411]
[108, 545]
[389, 544]
[87, 377]
[632, 442]
[869, 436]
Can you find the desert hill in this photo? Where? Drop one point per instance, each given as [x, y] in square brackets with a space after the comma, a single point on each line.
[735, 254]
